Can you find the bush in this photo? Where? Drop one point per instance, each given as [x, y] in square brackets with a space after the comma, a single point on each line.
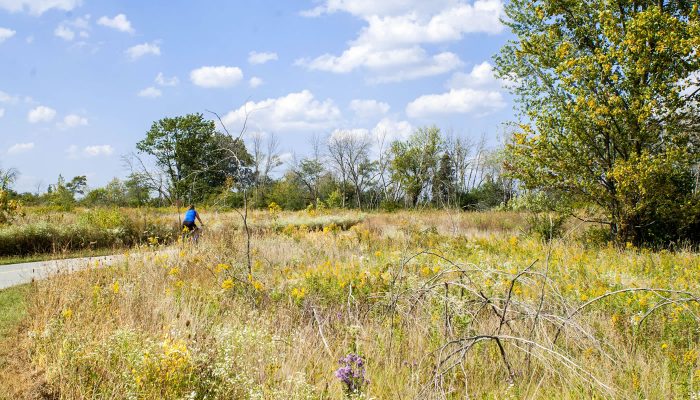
[101, 228]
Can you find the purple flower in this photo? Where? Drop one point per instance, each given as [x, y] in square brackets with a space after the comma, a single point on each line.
[352, 373]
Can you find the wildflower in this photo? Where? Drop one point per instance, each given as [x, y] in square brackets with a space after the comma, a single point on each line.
[174, 271]
[227, 284]
[67, 313]
[378, 254]
[258, 285]
[352, 373]
[513, 241]
[222, 267]
[115, 287]
[664, 346]
[584, 297]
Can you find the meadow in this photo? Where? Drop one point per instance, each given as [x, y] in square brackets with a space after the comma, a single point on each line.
[419, 304]
[41, 230]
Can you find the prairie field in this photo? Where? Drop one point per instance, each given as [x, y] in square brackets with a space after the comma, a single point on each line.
[406, 305]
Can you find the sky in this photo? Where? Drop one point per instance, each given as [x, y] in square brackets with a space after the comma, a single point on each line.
[81, 81]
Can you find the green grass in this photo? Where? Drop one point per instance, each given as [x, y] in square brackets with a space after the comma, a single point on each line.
[13, 307]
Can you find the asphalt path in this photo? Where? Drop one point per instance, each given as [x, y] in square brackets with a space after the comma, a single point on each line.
[17, 274]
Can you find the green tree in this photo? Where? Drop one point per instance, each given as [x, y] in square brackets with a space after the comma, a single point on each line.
[605, 87]
[192, 155]
[415, 160]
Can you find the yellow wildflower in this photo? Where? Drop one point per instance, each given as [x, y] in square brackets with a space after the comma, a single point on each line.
[67, 313]
[115, 287]
[227, 284]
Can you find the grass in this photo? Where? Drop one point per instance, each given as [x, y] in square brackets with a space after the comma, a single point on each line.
[13, 307]
[437, 304]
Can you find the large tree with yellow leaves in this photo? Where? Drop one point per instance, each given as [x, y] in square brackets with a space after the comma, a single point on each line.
[608, 97]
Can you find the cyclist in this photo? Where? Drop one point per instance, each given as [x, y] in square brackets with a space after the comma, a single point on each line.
[188, 223]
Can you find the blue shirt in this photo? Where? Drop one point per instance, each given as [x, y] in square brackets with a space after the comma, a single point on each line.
[190, 215]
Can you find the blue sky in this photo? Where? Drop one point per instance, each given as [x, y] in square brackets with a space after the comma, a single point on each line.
[81, 81]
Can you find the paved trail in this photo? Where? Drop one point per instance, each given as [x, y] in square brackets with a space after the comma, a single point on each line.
[17, 274]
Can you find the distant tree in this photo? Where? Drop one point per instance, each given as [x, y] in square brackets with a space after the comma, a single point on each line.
[415, 161]
[77, 185]
[609, 98]
[444, 181]
[7, 178]
[194, 158]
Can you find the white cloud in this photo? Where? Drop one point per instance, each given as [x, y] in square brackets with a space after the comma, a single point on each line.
[368, 108]
[64, 33]
[255, 82]
[150, 92]
[390, 129]
[395, 30]
[293, 112]
[481, 75]
[165, 81]
[38, 7]
[140, 50]
[119, 22]
[436, 65]
[2, 112]
[41, 114]
[363, 8]
[20, 148]
[98, 150]
[7, 98]
[6, 34]
[216, 77]
[73, 121]
[456, 101]
[261, 58]
[66, 30]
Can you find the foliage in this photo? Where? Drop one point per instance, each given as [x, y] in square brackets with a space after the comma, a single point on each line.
[415, 161]
[194, 157]
[8, 208]
[604, 87]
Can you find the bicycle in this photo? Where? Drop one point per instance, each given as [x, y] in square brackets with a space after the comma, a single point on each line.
[192, 235]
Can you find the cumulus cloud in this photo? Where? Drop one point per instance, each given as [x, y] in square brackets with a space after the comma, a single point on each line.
[118, 22]
[255, 82]
[64, 33]
[66, 30]
[368, 108]
[293, 112]
[151, 92]
[396, 30]
[41, 114]
[481, 75]
[73, 121]
[20, 148]
[38, 7]
[6, 33]
[98, 150]
[140, 50]
[255, 57]
[390, 129]
[162, 80]
[216, 77]
[456, 101]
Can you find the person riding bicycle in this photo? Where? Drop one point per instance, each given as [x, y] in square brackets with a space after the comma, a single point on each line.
[189, 220]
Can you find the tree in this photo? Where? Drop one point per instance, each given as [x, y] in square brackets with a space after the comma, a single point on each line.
[194, 158]
[606, 88]
[8, 178]
[415, 160]
[77, 185]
